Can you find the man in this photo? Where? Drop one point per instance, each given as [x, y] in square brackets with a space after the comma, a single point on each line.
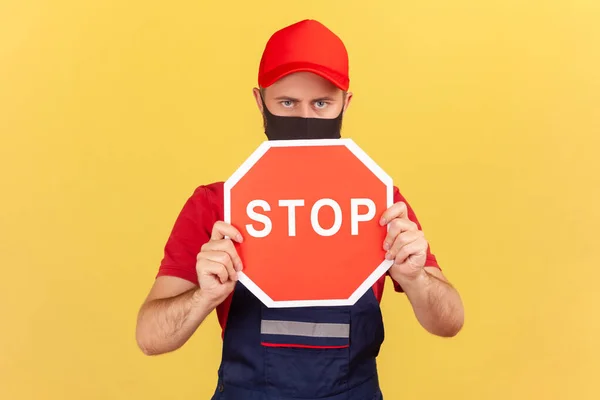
[303, 93]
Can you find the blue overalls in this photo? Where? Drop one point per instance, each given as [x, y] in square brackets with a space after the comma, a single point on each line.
[326, 353]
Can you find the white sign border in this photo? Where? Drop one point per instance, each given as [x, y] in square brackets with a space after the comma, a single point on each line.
[365, 159]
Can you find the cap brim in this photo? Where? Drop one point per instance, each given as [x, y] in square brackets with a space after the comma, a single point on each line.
[285, 70]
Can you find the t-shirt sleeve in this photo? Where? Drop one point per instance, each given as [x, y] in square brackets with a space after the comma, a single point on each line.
[431, 260]
[191, 230]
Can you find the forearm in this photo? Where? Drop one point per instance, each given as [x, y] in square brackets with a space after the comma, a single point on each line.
[436, 304]
[164, 325]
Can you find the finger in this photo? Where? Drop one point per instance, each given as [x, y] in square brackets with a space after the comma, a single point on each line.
[416, 248]
[398, 210]
[223, 229]
[222, 258]
[401, 241]
[216, 269]
[226, 246]
[395, 228]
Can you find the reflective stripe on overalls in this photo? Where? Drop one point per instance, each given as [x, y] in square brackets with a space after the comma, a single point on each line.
[326, 353]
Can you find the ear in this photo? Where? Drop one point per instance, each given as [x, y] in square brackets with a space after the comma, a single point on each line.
[258, 99]
[347, 101]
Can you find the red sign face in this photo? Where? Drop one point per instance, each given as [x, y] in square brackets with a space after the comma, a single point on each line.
[309, 212]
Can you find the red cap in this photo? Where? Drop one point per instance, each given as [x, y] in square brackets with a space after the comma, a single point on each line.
[305, 46]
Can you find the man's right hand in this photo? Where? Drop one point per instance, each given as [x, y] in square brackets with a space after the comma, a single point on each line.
[218, 263]
[175, 307]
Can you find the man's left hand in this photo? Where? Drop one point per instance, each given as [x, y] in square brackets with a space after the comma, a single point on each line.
[404, 243]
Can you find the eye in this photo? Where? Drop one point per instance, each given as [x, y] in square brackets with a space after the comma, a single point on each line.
[287, 103]
[320, 104]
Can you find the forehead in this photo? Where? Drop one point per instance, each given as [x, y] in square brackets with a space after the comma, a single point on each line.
[303, 84]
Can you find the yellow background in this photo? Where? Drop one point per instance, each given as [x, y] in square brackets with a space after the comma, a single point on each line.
[486, 113]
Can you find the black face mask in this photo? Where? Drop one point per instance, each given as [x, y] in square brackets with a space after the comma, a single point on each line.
[290, 128]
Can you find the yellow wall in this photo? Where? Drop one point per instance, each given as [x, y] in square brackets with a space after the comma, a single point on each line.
[487, 114]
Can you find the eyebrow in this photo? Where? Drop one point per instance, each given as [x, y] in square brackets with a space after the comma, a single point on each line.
[325, 98]
[286, 98]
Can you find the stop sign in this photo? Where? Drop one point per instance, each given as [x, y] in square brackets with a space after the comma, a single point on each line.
[309, 212]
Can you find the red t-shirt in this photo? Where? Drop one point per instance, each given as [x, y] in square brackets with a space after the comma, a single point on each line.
[193, 228]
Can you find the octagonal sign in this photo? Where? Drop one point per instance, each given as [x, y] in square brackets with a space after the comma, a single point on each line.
[309, 213]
